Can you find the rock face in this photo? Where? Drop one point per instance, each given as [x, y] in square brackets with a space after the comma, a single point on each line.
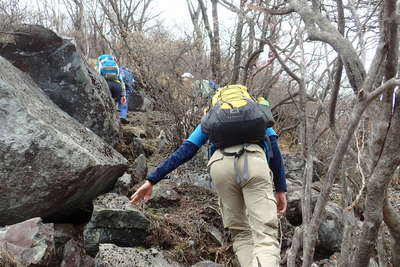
[114, 220]
[331, 230]
[50, 165]
[330, 233]
[30, 243]
[57, 67]
[138, 101]
[294, 167]
[112, 256]
[294, 211]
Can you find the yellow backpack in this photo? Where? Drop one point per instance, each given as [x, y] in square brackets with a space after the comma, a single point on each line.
[235, 118]
[231, 96]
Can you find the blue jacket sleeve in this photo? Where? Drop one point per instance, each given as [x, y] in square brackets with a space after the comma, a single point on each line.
[277, 167]
[184, 153]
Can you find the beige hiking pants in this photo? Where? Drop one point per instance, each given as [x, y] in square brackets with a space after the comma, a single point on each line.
[249, 208]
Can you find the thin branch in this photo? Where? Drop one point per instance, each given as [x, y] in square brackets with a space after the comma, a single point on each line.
[272, 11]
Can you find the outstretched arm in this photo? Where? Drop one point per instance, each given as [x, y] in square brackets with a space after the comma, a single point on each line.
[184, 153]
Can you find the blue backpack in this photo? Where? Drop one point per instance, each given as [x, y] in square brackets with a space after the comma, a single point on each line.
[128, 78]
[108, 67]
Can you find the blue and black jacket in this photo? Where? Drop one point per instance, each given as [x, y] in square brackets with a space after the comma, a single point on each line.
[198, 138]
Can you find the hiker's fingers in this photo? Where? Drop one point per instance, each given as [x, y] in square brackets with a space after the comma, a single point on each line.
[137, 196]
[135, 199]
[143, 192]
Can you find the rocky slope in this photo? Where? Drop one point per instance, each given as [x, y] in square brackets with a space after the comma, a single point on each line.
[64, 190]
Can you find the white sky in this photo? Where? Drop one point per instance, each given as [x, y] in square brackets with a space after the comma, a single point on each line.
[175, 13]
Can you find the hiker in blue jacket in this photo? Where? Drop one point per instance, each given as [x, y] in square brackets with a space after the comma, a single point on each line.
[242, 246]
[246, 167]
[198, 138]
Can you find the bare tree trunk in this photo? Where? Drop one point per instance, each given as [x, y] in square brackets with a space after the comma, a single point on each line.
[350, 226]
[305, 137]
[76, 11]
[215, 41]
[338, 69]
[238, 44]
[294, 249]
[194, 15]
[382, 248]
[384, 140]
[392, 220]
[213, 35]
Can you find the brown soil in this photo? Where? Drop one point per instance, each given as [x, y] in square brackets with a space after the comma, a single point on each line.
[184, 232]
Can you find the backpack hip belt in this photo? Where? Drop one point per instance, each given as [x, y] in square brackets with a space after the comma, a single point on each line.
[240, 177]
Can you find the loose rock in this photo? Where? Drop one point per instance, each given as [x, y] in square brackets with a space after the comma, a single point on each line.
[110, 255]
[114, 220]
[123, 185]
[139, 168]
[30, 243]
[74, 256]
[164, 195]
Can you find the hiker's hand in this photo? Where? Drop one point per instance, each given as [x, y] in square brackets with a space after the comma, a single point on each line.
[143, 193]
[281, 202]
[123, 100]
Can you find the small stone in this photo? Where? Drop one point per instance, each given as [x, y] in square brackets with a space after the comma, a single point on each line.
[123, 185]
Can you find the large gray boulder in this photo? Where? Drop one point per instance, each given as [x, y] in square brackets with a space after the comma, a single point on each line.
[59, 70]
[115, 220]
[50, 164]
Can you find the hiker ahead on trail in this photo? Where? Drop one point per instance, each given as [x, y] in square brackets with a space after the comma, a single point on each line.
[128, 79]
[245, 165]
[201, 89]
[108, 68]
